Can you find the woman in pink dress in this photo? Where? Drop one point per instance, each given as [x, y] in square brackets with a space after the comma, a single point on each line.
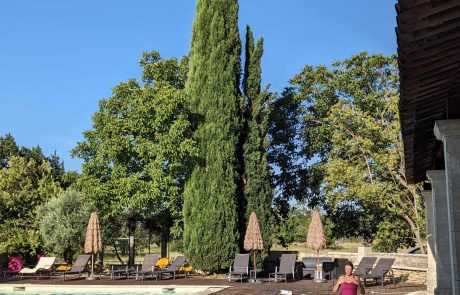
[348, 284]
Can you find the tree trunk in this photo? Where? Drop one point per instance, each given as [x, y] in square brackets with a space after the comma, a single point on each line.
[116, 252]
[416, 232]
[164, 244]
[150, 238]
[131, 245]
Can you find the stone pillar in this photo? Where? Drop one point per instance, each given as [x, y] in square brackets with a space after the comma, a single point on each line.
[441, 232]
[430, 238]
[449, 132]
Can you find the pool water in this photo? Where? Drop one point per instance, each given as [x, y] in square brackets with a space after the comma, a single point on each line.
[90, 293]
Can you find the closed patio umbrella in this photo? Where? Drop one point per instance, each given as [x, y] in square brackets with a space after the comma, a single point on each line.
[253, 237]
[315, 236]
[93, 241]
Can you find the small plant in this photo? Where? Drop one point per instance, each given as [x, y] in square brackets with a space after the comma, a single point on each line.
[217, 276]
[404, 277]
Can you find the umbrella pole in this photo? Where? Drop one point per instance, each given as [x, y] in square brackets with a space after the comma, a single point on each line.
[255, 264]
[254, 279]
[317, 260]
[91, 276]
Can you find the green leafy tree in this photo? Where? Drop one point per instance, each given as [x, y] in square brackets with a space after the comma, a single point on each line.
[292, 177]
[8, 148]
[352, 218]
[62, 222]
[351, 125]
[391, 234]
[24, 184]
[294, 228]
[57, 169]
[212, 194]
[136, 156]
[257, 178]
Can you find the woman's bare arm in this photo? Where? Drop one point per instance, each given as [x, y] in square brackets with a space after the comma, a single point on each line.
[337, 285]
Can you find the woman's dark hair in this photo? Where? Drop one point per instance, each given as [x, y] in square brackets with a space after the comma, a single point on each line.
[349, 263]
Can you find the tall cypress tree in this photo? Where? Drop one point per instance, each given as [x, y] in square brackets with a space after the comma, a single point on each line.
[211, 195]
[257, 187]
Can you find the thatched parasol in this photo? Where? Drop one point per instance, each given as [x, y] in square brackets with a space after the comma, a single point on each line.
[93, 241]
[253, 237]
[315, 236]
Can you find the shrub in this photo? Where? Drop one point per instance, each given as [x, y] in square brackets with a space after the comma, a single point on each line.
[62, 221]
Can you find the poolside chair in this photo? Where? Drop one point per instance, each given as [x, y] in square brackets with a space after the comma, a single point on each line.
[240, 267]
[287, 267]
[339, 269]
[44, 265]
[147, 268]
[364, 266]
[172, 269]
[309, 266]
[382, 269]
[78, 267]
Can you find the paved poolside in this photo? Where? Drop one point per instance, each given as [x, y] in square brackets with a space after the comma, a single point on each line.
[297, 287]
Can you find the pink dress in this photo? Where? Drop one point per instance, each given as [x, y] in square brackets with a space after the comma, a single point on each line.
[348, 289]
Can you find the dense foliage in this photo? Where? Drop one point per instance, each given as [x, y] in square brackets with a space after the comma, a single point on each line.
[351, 126]
[256, 111]
[26, 181]
[294, 228]
[212, 195]
[136, 156]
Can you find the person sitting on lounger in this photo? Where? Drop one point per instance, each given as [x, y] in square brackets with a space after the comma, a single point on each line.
[348, 283]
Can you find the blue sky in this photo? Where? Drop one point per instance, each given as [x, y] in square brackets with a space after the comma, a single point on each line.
[59, 58]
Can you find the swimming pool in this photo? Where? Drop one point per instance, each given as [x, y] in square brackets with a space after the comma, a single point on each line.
[31, 289]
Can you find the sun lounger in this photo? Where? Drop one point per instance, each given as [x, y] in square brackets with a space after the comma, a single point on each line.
[364, 266]
[287, 267]
[172, 269]
[148, 267]
[382, 269]
[240, 267]
[44, 264]
[79, 267]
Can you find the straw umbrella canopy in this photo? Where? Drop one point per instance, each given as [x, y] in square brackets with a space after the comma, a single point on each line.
[315, 236]
[253, 237]
[93, 241]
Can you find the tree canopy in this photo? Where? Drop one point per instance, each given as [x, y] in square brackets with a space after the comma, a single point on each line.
[351, 126]
[62, 221]
[26, 180]
[136, 156]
